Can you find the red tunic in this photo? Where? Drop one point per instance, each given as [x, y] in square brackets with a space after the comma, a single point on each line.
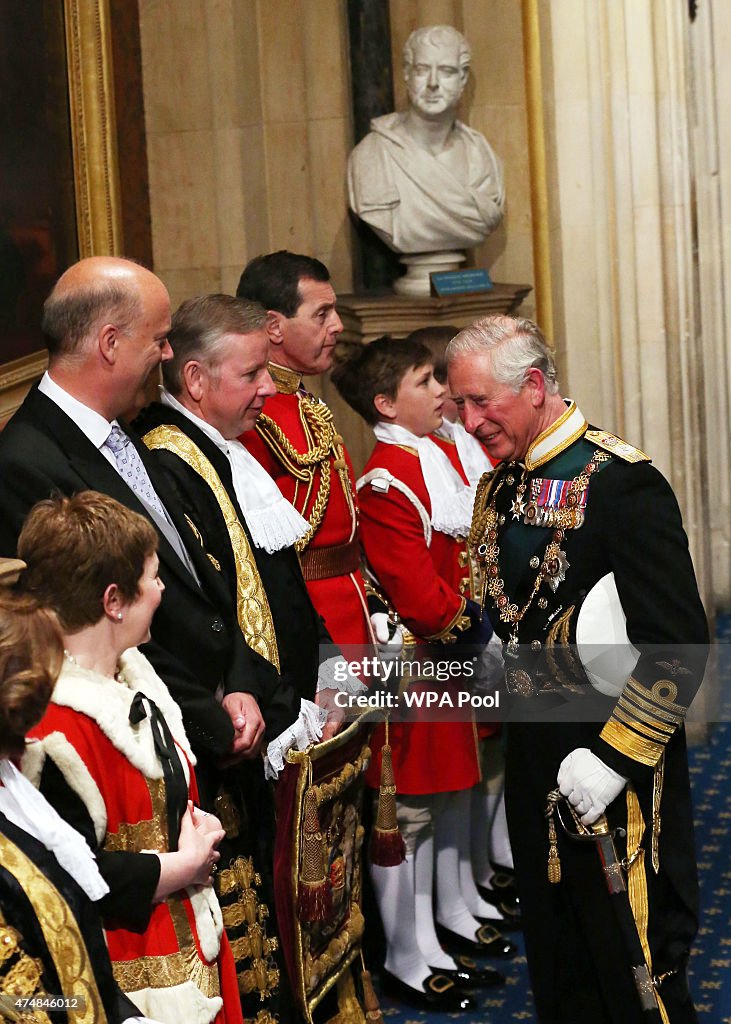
[484, 729]
[425, 585]
[340, 598]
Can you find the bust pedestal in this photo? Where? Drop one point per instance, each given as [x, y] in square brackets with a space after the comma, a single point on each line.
[366, 317]
[415, 282]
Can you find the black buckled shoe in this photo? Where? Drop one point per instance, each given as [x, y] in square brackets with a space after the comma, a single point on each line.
[506, 901]
[487, 942]
[503, 877]
[439, 993]
[468, 975]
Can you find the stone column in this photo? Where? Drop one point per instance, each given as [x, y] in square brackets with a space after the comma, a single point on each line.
[624, 277]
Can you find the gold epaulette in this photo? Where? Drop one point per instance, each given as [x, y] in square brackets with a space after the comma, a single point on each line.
[611, 443]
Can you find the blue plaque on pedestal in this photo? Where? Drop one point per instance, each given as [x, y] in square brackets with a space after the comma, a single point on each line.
[460, 282]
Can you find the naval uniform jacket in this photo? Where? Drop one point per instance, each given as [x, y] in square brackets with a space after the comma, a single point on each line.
[297, 627]
[632, 528]
[194, 649]
[426, 583]
[339, 598]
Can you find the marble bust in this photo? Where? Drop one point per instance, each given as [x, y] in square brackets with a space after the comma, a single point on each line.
[427, 184]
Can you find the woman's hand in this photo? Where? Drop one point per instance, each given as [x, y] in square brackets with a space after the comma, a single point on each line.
[194, 861]
[204, 821]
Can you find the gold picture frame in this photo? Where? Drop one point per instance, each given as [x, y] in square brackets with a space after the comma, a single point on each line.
[87, 32]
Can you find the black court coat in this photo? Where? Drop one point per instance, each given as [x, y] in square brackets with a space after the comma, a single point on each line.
[195, 646]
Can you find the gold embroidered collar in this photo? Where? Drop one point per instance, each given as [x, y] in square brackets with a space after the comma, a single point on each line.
[562, 433]
[287, 381]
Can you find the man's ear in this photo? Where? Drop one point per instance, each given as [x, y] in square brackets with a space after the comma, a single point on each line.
[108, 342]
[275, 326]
[192, 374]
[384, 406]
[536, 385]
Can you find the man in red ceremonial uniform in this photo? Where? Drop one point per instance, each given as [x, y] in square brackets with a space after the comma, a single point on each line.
[415, 509]
[296, 441]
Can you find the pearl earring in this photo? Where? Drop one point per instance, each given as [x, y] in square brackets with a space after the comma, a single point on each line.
[119, 616]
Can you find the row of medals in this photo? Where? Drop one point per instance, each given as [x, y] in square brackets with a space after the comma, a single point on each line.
[552, 568]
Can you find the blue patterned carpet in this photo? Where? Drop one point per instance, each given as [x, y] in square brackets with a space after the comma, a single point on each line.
[710, 967]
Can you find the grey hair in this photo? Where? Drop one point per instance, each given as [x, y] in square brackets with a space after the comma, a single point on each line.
[515, 345]
[199, 327]
[436, 34]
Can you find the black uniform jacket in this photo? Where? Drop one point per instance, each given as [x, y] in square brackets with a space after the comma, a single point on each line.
[194, 646]
[23, 909]
[299, 630]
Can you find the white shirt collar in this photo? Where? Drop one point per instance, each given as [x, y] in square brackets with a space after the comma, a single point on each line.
[214, 435]
[273, 522]
[91, 423]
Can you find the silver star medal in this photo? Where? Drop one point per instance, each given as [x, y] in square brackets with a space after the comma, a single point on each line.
[556, 570]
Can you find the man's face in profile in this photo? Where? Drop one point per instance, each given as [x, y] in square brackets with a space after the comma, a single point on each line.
[435, 80]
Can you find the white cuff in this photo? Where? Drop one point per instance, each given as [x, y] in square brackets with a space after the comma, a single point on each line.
[334, 674]
[301, 734]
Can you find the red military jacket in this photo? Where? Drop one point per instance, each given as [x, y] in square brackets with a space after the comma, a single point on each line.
[296, 442]
[427, 585]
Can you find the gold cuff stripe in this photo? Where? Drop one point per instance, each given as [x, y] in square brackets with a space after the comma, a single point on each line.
[252, 606]
[627, 742]
[630, 697]
[668, 705]
[631, 715]
[640, 727]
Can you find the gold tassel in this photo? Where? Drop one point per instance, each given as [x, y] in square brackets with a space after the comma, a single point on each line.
[387, 848]
[314, 896]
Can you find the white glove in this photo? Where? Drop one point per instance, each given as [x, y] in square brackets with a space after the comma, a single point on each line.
[588, 783]
[302, 733]
[390, 644]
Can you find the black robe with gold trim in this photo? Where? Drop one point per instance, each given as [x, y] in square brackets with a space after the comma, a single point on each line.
[631, 527]
[296, 640]
[298, 629]
[46, 916]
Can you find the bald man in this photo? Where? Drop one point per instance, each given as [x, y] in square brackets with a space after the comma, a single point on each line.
[106, 324]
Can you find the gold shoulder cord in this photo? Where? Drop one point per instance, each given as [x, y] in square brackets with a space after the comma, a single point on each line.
[65, 943]
[323, 440]
[252, 606]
